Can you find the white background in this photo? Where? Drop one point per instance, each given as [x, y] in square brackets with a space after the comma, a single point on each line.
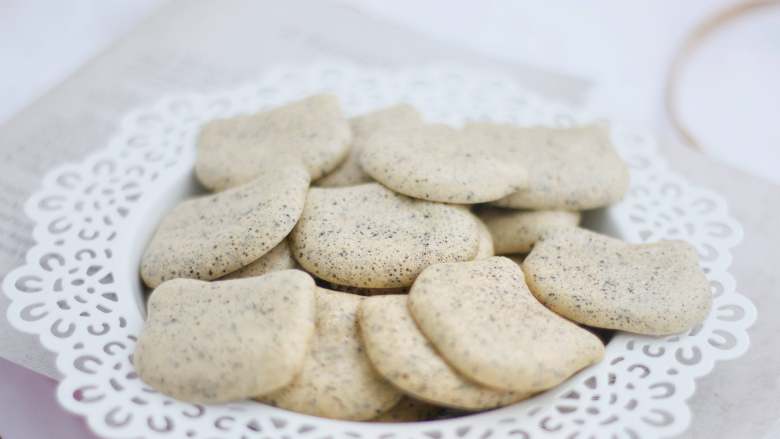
[730, 92]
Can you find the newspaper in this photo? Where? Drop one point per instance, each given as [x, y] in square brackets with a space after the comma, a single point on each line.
[205, 46]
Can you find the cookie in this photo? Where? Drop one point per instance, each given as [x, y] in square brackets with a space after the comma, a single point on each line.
[437, 162]
[278, 258]
[350, 173]
[485, 248]
[337, 380]
[312, 131]
[516, 231]
[370, 237]
[484, 322]
[208, 237]
[211, 342]
[410, 410]
[654, 289]
[403, 356]
[569, 168]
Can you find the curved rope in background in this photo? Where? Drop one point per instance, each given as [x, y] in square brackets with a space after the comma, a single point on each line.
[688, 47]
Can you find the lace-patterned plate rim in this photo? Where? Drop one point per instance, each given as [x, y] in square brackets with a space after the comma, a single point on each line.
[80, 295]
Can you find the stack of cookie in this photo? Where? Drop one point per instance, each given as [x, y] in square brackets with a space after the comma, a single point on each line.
[348, 268]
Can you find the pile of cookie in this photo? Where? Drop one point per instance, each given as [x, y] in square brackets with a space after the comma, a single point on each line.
[347, 268]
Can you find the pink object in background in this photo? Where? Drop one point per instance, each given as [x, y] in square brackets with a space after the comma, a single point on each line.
[29, 408]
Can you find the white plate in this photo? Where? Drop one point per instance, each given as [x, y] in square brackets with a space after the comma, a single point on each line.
[79, 289]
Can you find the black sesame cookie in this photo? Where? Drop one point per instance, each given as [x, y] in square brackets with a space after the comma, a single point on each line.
[278, 258]
[371, 237]
[402, 354]
[482, 319]
[337, 380]
[486, 246]
[568, 168]
[211, 236]
[312, 132]
[596, 280]
[516, 231]
[349, 172]
[437, 162]
[210, 342]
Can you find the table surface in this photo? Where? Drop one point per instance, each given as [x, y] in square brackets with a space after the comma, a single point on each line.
[740, 392]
